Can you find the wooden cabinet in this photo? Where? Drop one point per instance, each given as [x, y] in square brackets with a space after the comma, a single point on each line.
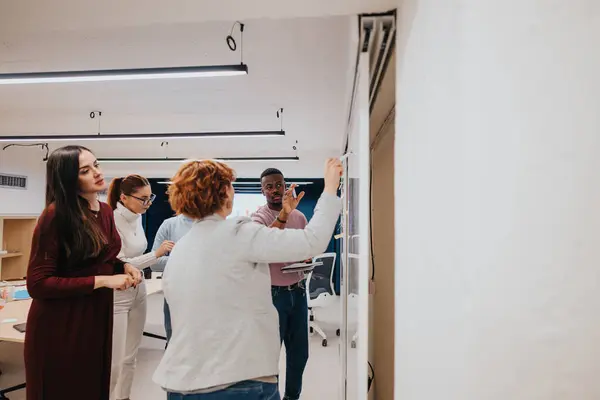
[16, 232]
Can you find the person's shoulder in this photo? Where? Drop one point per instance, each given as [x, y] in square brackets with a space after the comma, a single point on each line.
[47, 218]
[50, 209]
[116, 214]
[48, 213]
[261, 214]
[239, 224]
[235, 221]
[166, 226]
[105, 208]
[169, 221]
[260, 210]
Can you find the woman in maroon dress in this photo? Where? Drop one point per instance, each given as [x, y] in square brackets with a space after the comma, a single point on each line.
[72, 273]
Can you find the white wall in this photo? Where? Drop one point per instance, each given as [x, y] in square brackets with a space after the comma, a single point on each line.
[27, 162]
[497, 200]
[246, 204]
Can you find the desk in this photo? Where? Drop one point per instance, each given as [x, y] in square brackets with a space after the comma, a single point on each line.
[13, 310]
[19, 309]
[153, 286]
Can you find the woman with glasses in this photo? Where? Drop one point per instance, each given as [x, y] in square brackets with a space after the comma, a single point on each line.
[130, 197]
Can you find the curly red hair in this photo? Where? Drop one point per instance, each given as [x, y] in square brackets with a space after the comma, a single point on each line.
[199, 188]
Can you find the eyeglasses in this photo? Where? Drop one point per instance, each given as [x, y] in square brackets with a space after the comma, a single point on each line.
[147, 201]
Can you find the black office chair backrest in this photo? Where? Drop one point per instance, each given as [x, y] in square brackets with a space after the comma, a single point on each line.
[320, 281]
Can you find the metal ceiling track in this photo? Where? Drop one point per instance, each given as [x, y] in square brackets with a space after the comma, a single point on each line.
[378, 38]
[140, 136]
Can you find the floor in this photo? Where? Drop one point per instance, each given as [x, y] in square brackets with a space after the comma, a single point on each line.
[321, 378]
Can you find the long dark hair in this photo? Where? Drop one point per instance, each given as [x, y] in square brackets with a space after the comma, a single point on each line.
[128, 186]
[80, 237]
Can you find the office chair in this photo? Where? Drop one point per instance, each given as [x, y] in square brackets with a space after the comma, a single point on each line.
[320, 290]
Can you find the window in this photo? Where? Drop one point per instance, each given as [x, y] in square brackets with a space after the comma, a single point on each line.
[245, 204]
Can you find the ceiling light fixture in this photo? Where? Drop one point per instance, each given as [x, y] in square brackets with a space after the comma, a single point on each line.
[134, 73]
[258, 183]
[123, 74]
[138, 136]
[180, 160]
[244, 185]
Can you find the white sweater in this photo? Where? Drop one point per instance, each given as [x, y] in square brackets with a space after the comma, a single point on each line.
[133, 238]
[218, 287]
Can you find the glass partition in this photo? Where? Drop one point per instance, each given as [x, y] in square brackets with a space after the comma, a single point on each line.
[355, 246]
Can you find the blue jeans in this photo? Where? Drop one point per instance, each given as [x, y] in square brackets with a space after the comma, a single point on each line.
[293, 330]
[168, 328]
[248, 390]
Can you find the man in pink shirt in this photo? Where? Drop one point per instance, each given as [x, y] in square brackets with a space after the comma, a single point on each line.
[288, 290]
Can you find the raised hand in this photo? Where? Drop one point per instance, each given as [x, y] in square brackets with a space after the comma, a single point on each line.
[333, 173]
[290, 203]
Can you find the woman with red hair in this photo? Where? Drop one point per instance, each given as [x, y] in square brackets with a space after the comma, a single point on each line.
[225, 341]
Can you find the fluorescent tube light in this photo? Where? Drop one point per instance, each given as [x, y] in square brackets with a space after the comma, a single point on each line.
[257, 159]
[180, 160]
[123, 74]
[286, 181]
[245, 184]
[140, 136]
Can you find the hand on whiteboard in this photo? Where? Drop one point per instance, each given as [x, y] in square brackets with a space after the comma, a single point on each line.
[333, 173]
[289, 202]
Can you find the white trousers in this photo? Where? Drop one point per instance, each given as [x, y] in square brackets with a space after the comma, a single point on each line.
[128, 327]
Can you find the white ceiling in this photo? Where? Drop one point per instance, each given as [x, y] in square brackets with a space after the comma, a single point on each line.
[302, 64]
[42, 15]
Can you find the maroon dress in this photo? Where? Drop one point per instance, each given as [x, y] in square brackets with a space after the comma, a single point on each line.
[68, 336]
